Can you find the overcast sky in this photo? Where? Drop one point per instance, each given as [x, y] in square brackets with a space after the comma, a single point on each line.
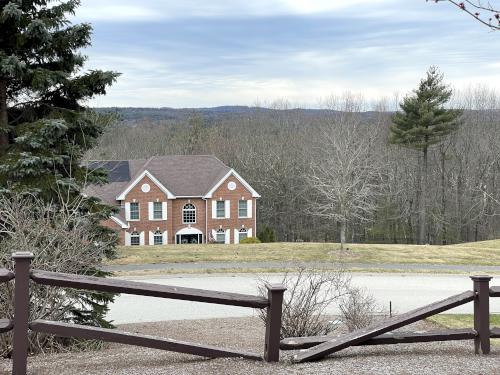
[189, 53]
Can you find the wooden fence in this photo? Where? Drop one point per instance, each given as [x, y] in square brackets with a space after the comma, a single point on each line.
[313, 347]
[21, 324]
[318, 347]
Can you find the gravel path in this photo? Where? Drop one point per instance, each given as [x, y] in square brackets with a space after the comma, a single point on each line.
[247, 333]
[203, 266]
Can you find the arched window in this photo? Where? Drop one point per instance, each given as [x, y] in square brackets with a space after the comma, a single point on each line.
[189, 214]
[243, 234]
[158, 238]
[135, 239]
[220, 236]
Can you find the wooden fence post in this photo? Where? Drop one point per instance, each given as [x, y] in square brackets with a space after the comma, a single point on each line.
[21, 312]
[482, 313]
[273, 324]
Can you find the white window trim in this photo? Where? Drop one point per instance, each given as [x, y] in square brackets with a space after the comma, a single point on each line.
[237, 234]
[127, 239]
[243, 217]
[141, 238]
[214, 210]
[195, 214]
[129, 211]
[161, 234]
[223, 232]
[151, 210]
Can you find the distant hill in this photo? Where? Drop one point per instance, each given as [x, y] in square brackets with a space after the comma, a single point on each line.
[132, 114]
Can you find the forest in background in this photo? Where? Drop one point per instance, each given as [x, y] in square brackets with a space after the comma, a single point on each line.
[281, 152]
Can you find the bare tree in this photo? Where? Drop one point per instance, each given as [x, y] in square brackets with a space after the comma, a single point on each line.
[483, 11]
[345, 175]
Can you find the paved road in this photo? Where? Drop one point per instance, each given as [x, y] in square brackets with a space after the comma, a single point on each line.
[405, 291]
[282, 265]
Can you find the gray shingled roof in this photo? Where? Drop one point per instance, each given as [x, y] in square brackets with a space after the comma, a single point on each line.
[182, 175]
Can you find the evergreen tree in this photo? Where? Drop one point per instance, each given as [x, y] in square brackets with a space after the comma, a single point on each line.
[44, 127]
[422, 123]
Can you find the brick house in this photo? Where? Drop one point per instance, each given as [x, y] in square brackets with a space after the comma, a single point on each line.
[177, 199]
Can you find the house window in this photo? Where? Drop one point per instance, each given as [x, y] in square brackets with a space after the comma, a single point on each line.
[189, 214]
[221, 209]
[220, 236]
[242, 208]
[158, 238]
[157, 210]
[134, 211]
[243, 234]
[135, 239]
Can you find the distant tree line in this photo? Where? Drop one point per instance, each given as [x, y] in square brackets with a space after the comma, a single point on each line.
[339, 173]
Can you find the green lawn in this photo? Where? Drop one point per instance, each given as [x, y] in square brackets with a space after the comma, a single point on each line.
[463, 321]
[479, 253]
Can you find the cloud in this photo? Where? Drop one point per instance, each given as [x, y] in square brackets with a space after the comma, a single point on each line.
[155, 10]
[282, 49]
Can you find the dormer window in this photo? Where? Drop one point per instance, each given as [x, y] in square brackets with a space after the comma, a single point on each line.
[189, 214]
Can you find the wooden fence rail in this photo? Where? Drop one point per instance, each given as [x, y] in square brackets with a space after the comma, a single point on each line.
[23, 275]
[377, 334]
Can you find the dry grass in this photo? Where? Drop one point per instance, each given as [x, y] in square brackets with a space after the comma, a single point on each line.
[480, 253]
[463, 321]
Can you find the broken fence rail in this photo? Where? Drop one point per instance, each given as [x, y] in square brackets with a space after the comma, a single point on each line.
[377, 333]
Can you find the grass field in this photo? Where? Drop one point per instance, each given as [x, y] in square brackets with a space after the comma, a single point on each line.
[479, 253]
[463, 321]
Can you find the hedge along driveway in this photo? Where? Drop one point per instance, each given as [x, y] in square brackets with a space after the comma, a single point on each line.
[485, 253]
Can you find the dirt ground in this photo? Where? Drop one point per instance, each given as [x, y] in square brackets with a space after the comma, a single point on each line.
[248, 334]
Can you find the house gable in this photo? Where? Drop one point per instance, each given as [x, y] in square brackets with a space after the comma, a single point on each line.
[146, 173]
[233, 173]
[120, 222]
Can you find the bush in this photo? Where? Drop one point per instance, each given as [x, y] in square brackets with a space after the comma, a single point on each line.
[62, 239]
[357, 309]
[309, 293]
[250, 240]
[267, 235]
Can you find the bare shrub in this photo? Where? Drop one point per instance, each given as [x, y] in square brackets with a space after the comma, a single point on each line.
[357, 309]
[309, 293]
[62, 239]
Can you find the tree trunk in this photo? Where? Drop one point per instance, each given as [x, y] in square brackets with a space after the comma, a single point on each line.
[342, 234]
[443, 199]
[423, 201]
[4, 119]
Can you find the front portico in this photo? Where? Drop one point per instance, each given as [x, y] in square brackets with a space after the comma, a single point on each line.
[189, 235]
